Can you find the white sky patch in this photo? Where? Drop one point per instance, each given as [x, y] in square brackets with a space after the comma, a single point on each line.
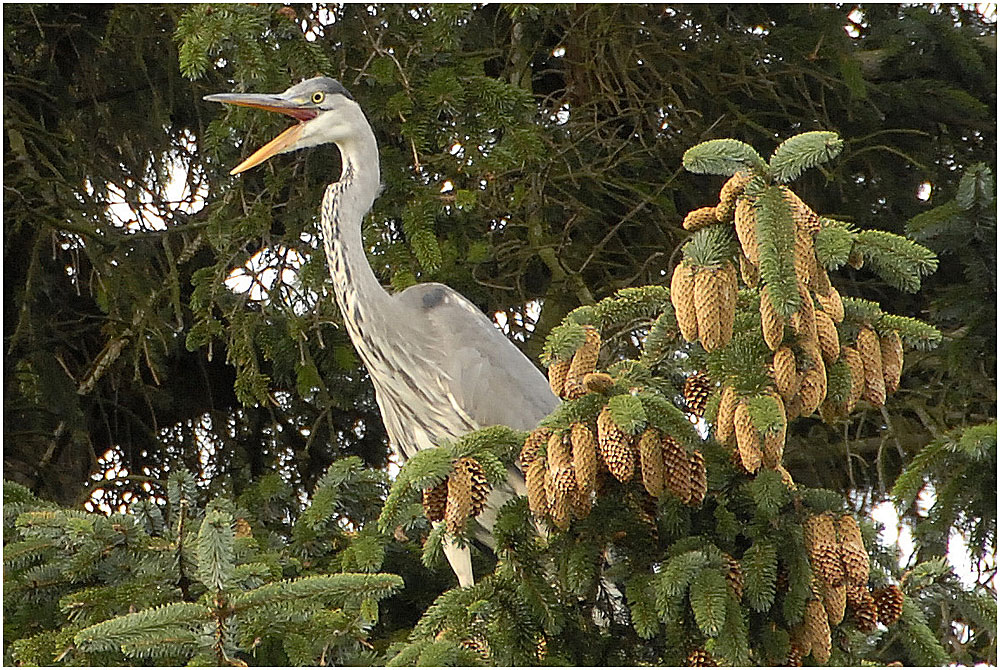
[924, 191]
[267, 270]
[559, 52]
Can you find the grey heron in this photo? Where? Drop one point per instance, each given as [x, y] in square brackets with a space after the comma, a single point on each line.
[439, 366]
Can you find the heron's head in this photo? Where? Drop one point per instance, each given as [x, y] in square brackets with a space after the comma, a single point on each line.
[325, 112]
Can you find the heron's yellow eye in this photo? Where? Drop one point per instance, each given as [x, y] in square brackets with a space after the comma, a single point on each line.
[318, 97]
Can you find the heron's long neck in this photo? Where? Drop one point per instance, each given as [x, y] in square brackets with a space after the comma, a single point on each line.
[345, 205]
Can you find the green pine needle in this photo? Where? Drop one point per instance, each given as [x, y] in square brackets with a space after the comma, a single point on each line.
[722, 157]
[801, 152]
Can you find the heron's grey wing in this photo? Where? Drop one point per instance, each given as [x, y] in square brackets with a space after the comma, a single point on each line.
[486, 375]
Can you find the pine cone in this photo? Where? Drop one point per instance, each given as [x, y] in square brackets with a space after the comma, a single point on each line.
[711, 304]
[857, 368]
[564, 493]
[557, 453]
[863, 605]
[615, 447]
[807, 315]
[734, 575]
[786, 377]
[598, 382]
[682, 298]
[535, 477]
[832, 304]
[804, 256]
[699, 658]
[871, 359]
[581, 502]
[557, 376]
[771, 323]
[803, 215]
[773, 443]
[795, 656]
[786, 478]
[747, 439]
[480, 485]
[829, 339]
[732, 189]
[852, 550]
[724, 416]
[817, 629]
[813, 390]
[697, 389]
[677, 472]
[746, 229]
[698, 484]
[532, 445]
[835, 602]
[888, 603]
[459, 505]
[478, 645]
[651, 461]
[435, 500]
[697, 219]
[892, 360]
[584, 457]
[855, 259]
[821, 543]
[584, 361]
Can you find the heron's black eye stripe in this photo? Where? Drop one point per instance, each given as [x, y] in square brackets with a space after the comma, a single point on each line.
[318, 97]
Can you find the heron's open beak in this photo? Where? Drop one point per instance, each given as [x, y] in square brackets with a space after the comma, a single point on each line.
[302, 111]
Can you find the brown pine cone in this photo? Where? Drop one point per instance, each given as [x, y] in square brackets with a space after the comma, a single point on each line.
[795, 656]
[888, 603]
[697, 219]
[557, 453]
[584, 361]
[734, 575]
[732, 189]
[832, 304]
[807, 315]
[682, 298]
[747, 439]
[532, 445]
[598, 382]
[835, 602]
[857, 368]
[480, 485]
[817, 628]
[822, 546]
[829, 339]
[698, 484]
[786, 376]
[804, 256]
[677, 469]
[651, 461]
[697, 389]
[711, 304]
[584, 457]
[865, 610]
[477, 645]
[564, 494]
[615, 447]
[802, 214]
[773, 442]
[459, 506]
[852, 550]
[892, 360]
[699, 658]
[746, 229]
[535, 477]
[813, 390]
[771, 323]
[724, 416]
[435, 500]
[557, 376]
[871, 359]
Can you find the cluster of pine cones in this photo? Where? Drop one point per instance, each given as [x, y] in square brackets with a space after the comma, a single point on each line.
[840, 582]
[459, 497]
[562, 468]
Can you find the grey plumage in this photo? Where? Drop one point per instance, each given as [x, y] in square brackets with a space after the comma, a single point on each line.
[439, 366]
